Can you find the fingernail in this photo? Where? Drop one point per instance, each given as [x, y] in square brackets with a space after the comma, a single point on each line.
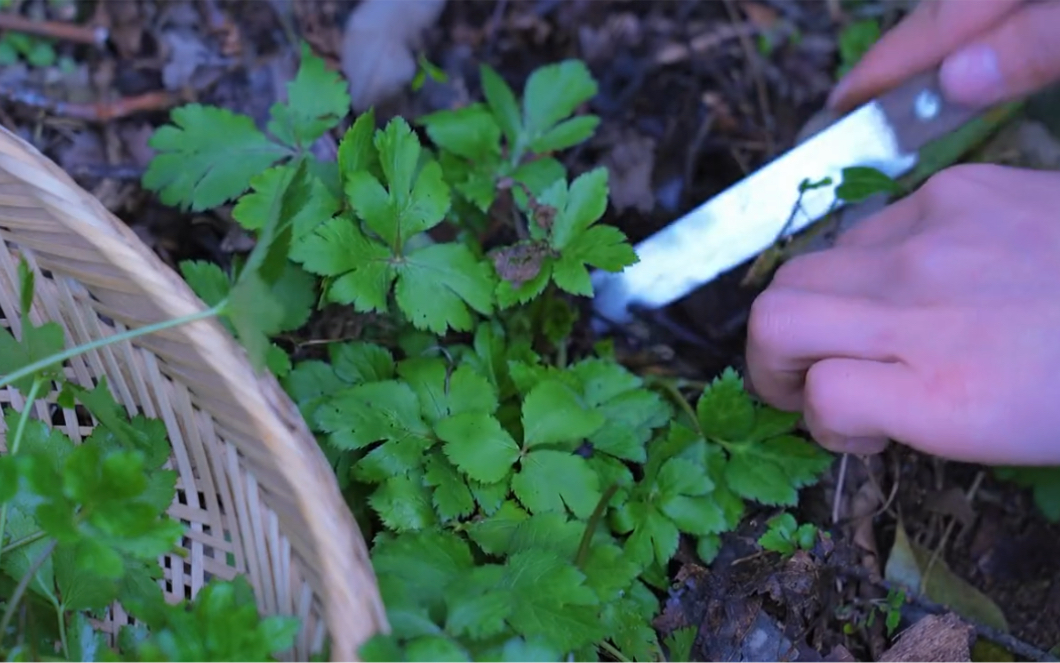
[862, 445]
[972, 76]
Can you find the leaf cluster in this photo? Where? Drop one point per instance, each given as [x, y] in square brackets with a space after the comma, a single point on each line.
[521, 504]
[82, 526]
[525, 503]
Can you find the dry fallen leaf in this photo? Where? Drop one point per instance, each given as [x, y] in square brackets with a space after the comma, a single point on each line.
[630, 164]
[377, 47]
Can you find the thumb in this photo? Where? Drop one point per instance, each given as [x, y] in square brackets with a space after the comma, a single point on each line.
[856, 405]
[1015, 58]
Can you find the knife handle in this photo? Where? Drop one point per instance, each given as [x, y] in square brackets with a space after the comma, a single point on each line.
[919, 113]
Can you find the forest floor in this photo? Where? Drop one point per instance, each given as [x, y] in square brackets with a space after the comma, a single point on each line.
[693, 96]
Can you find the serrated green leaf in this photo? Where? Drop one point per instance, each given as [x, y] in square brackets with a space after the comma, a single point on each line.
[653, 536]
[553, 480]
[452, 497]
[470, 132]
[372, 412]
[494, 533]
[432, 648]
[725, 410]
[207, 280]
[81, 587]
[502, 102]
[553, 413]
[207, 156]
[37, 343]
[554, 92]
[477, 444]
[476, 606]
[253, 209]
[362, 266]
[403, 503]
[566, 134]
[18, 562]
[556, 532]
[439, 285]
[356, 149]
[583, 204]
[443, 392]
[609, 572]
[551, 600]
[317, 100]
[359, 361]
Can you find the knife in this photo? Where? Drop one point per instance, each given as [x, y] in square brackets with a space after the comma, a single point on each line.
[751, 215]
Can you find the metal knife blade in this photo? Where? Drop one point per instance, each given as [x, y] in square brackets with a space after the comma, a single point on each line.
[748, 217]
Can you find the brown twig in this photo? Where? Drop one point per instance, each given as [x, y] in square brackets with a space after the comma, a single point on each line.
[101, 111]
[969, 496]
[80, 34]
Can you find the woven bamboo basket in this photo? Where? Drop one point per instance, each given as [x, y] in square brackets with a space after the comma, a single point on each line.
[255, 493]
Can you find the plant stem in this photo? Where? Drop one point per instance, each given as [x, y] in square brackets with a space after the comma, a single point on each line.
[23, 584]
[594, 520]
[15, 442]
[103, 342]
[613, 651]
[24, 541]
[62, 630]
[681, 401]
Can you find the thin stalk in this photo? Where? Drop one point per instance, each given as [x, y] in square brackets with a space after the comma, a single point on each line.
[103, 342]
[15, 442]
[23, 584]
[24, 541]
[62, 630]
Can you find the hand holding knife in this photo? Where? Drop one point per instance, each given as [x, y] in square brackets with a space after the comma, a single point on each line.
[742, 221]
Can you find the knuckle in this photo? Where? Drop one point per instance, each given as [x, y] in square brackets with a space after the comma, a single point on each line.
[770, 319]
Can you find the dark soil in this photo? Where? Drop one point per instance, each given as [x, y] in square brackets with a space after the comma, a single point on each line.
[691, 101]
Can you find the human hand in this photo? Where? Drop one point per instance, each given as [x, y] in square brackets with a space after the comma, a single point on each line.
[989, 51]
[935, 323]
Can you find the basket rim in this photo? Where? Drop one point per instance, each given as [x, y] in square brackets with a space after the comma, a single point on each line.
[350, 616]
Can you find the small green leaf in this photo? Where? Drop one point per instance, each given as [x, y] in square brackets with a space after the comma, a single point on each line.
[861, 182]
[317, 100]
[725, 410]
[439, 285]
[356, 149]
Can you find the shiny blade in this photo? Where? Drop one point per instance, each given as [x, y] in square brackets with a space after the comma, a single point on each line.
[748, 217]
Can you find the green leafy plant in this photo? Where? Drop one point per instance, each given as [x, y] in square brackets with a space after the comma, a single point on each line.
[523, 495]
[784, 535]
[83, 525]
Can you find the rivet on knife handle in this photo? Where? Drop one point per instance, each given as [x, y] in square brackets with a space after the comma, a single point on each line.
[919, 113]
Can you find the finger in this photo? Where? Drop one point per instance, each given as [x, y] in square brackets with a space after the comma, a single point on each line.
[923, 39]
[789, 330]
[845, 271]
[1015, 58]
[855, 405]
[887, 227]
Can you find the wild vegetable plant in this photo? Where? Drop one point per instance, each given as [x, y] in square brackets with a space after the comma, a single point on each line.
[83, 526]
[523, 496]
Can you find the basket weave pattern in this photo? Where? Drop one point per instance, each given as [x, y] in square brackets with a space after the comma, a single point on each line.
[254, 492]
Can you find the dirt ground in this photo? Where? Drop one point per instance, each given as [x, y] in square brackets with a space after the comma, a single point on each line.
[693, 96]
